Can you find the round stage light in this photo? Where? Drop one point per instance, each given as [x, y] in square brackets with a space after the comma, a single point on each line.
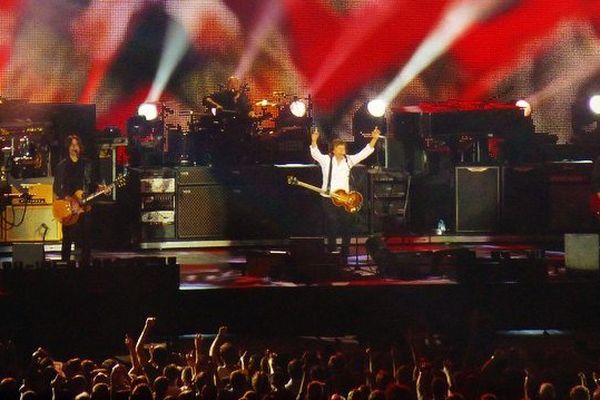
[595, 103]
[148, 111]
[377, 107]
[525, 106]
[298, 108]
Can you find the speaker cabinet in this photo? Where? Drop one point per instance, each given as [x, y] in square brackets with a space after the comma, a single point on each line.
[38, 224]
[197, 176]
[477, 192]
[524, 199]
[231, 212]
[568, 195]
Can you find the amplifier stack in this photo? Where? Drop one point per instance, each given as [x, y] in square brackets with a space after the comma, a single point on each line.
[157, 204]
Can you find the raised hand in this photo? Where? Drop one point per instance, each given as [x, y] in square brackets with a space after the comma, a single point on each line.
[104, 189]
[150, 322]
[582, 378]
[243, 359]
[314, 135]
[376, 133]
[447, 366]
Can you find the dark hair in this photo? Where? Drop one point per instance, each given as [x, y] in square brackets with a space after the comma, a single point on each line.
[579, 392]
[260, 383]
[335, 143]
[228, 353]
[70, 139]
[160, 355]
[100, 391]
[161, 384]
[9, 389]
[397, 391]
[141, 392]
[237, 380]
[172, 373]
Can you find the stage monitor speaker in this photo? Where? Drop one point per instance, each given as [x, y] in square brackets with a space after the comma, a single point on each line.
[477, 198]
[28, 255]
[38, 224]
[309, 262]
[582, 252]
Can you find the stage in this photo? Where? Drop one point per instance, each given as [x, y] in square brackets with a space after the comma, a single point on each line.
[256, 289]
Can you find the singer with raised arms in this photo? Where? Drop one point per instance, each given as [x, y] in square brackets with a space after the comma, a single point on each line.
[335, 168]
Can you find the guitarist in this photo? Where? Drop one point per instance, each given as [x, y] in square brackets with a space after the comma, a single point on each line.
[73, 173]
[335, 168]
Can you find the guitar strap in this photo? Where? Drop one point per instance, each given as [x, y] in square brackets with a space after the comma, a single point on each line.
[329, 174]
[351, 174]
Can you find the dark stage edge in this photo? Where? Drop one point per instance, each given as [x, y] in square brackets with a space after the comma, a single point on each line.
[371, 307]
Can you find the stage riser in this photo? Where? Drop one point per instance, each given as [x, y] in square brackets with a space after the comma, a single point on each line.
[257, 203]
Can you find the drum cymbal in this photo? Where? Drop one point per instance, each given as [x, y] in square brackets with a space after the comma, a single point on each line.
[265, 103]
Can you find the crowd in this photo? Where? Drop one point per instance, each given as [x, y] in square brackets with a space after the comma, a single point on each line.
[157, 372]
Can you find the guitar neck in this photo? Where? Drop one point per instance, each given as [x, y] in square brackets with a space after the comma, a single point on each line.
[311, 187]
[317, 189]
[96, 194]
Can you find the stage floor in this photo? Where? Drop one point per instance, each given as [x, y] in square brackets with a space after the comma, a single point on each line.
[239, 266]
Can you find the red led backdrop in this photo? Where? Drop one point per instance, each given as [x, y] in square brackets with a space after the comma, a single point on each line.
[341, 51]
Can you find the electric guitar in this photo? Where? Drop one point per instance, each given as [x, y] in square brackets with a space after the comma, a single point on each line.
[68, 210]
[351, 202]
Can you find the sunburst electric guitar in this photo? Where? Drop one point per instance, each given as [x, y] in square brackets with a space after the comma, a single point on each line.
[351, 201]
[69, 209]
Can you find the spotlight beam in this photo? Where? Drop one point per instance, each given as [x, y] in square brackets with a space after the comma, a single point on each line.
[457, 20]
[175, 46]
[268, 19]
[584, 70]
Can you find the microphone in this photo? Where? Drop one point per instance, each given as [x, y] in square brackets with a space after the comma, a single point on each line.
[369, 135]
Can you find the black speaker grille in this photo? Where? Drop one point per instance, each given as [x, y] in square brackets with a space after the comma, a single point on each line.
[477, 199]
[201, 211]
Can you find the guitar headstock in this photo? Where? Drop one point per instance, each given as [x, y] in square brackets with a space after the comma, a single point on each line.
[292, 180]
[120, 181]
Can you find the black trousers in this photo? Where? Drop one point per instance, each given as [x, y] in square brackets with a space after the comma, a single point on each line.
[79, 234]
[338, 223]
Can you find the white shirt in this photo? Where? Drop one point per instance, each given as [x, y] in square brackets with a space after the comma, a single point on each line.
[340, 170]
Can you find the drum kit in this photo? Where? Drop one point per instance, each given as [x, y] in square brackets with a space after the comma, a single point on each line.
[226, 137]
